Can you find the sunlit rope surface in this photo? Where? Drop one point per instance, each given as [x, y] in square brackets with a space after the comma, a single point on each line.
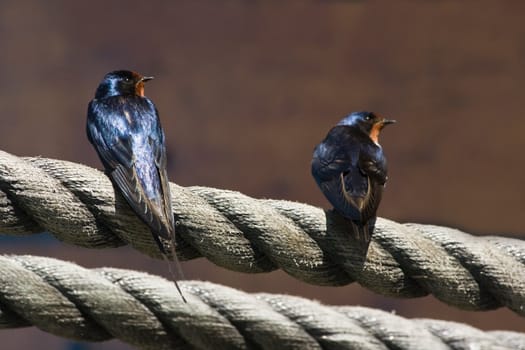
[77, 205]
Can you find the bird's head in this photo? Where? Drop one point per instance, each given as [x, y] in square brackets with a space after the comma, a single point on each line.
[368, 122]
[121, 82]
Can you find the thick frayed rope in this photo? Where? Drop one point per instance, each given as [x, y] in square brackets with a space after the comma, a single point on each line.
[146, 311]
[77, 204]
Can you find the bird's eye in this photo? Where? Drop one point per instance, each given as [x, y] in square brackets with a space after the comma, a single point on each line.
[368, 117]
[127, 80]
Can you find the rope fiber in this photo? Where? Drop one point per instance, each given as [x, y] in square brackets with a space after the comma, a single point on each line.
[147, 312]
[77, 204]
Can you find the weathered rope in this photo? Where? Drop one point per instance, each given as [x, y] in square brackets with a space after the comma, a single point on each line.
[77, 205]
[146, 311]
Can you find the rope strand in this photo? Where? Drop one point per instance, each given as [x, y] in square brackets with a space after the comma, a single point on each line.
[77, 205]
[147, 312]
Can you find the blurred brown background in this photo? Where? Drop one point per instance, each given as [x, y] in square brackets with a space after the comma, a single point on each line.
[245, 90]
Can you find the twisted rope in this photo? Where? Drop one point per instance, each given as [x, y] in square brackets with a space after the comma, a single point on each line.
[77, 205]
[146, 311]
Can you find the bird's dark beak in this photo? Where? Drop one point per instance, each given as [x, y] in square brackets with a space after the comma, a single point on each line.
[145, 79]
[387, 121]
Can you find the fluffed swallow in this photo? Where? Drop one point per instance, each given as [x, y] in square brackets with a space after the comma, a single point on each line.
[350, 168]
[124, 127]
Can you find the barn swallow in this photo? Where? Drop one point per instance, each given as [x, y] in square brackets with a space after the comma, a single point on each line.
[350, 168]
[124, 127]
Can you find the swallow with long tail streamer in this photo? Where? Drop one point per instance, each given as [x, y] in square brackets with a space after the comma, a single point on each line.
[124, 127]
[350, 169]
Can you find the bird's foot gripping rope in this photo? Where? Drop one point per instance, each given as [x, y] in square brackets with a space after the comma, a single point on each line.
[77, 205]
[146, 311]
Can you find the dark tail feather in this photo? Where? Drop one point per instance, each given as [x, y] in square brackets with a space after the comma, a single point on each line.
[371, 225]
[178, 268]
[363, 232]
